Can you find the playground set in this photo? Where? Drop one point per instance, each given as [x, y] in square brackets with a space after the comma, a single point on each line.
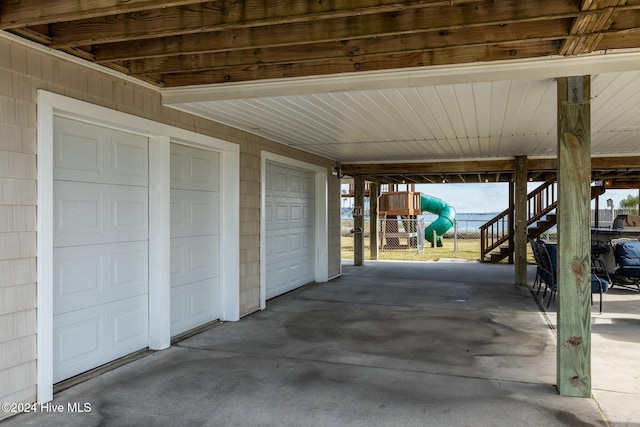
[399, 206]
[405, 206]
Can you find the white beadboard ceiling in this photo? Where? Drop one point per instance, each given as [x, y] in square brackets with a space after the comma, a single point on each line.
[446, 115]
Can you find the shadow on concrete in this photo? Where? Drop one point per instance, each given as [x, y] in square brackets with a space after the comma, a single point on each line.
[388, 344]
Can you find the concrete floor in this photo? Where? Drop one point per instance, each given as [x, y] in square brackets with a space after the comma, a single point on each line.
[615, 354]
[389, 344]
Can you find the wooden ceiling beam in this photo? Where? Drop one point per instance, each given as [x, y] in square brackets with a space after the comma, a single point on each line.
[278, 32]
[32, 35]
[626, 18]
[471, 166]
[504, 51]
[480, 167]
[629, 39]
[465, 37]
[623, 184]
[233, 15]
[185, 42]
[611, 180]
[26, 13]
[585, 30]
[625, 162]
[542, 164]
[622, 34]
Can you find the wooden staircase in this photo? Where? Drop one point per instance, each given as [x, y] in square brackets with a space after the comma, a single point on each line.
[496, 235]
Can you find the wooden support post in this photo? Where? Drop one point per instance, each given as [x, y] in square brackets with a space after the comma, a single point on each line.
[520, 241]
[574, 236]
[358, 222]
[374, 191]
[511, 220]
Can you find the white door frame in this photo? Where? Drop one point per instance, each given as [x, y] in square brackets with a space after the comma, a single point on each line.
[160, 135]
[321, 227]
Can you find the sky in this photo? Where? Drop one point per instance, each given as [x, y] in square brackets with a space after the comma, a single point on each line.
[494, 197]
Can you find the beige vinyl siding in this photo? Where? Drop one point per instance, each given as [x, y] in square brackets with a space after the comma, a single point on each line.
[24, 70]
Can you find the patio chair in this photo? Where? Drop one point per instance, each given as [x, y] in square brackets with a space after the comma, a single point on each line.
[600, 279]
[536, 256]
[598, 251]
[627, 255]
[546, 261]
[545, 271]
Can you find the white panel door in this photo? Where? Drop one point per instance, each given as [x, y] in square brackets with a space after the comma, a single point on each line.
[195, 238]
[101, 250]
[289, 203]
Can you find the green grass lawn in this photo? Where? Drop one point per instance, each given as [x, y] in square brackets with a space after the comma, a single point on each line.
[467, 249]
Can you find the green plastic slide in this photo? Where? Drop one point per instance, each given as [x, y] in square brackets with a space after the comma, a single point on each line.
[442, 224]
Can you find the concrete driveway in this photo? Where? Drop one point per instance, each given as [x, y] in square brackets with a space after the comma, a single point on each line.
[389, 344]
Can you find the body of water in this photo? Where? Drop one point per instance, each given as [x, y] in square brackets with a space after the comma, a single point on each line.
[465, 221]
[471, 221]
[428, 217]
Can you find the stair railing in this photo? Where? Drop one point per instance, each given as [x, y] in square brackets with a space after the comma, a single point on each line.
[496, 231]
[542, 201]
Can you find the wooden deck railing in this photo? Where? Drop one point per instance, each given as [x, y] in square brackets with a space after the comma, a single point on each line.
[399, 203]
[541, 202]
[494, 233]
[498, 230]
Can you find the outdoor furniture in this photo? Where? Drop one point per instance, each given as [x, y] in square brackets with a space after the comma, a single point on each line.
[545, 255]
[598, 285]
[539, 273]
[598, 266]
[545, 271]
[600, 279]
[627, 255]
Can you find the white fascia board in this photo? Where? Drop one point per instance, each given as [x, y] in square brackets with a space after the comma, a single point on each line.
[537, 68]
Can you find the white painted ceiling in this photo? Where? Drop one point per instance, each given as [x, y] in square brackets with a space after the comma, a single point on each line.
[482, 111]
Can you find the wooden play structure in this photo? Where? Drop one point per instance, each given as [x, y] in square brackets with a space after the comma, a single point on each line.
[398, 211]
[399, 206]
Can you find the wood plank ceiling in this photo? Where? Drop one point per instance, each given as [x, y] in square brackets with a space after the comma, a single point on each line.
[189, 42]
[180, 43]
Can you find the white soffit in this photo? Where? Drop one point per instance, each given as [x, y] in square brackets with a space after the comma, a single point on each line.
[459, 112]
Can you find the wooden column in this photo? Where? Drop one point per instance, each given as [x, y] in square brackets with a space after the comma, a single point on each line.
[574, 237]
[511, 220]
[374, 191]
[358, 221]
[520, 203]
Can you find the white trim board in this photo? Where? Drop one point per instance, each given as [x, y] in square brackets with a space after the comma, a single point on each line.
[160, 135]
[321, 250]
[530, 68]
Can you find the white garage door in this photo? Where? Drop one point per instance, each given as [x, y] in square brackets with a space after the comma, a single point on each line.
[100, 240]
[289, 226]
[195, 238]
